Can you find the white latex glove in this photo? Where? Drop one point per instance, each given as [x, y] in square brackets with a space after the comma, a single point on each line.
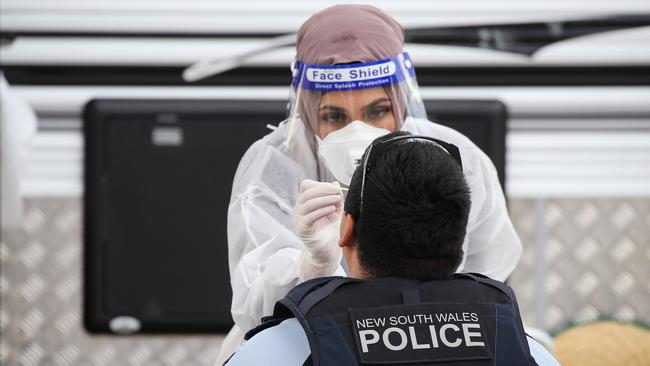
[316, 218]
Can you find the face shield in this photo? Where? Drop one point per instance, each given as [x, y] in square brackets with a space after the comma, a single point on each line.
[341, 109]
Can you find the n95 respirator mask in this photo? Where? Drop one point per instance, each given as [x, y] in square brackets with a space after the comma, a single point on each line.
[340, 149]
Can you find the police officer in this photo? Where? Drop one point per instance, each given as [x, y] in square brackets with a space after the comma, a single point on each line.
[405, 220]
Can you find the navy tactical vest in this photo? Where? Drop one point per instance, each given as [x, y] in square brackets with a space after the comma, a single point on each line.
[467, 319]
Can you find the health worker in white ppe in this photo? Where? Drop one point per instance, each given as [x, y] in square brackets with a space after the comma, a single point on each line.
[352, 82]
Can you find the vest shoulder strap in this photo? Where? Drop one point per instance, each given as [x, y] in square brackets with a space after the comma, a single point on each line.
[299, 301]
[486, 281]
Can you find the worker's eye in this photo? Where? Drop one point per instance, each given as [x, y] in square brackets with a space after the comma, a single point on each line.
[377, 112]
[333, 117]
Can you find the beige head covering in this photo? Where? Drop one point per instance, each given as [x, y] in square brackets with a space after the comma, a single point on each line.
[344, 34]
[604, 343]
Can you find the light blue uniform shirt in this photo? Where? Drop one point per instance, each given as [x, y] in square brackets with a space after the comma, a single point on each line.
[286, 344]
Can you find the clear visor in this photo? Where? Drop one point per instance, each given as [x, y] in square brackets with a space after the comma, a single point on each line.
[325, 99]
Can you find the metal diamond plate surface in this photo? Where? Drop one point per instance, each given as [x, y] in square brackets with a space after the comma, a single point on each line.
[596, 256]
[40, 313]
[595, 263]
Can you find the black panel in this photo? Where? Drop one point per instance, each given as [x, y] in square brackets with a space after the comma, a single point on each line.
[483, 121]
[155, 215]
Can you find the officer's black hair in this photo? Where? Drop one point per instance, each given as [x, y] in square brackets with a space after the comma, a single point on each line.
[416, 205]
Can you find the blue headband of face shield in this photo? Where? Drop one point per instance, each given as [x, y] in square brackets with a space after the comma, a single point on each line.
[353, 76]
[376, 148]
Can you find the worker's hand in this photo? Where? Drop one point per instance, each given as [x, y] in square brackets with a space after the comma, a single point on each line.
[316, 218]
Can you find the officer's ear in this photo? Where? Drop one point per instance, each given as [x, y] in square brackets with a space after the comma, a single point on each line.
[348, 238]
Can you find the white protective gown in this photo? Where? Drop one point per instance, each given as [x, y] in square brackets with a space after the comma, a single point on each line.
[263, 250]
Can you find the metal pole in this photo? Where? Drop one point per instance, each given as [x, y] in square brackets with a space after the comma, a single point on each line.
[541, 236]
